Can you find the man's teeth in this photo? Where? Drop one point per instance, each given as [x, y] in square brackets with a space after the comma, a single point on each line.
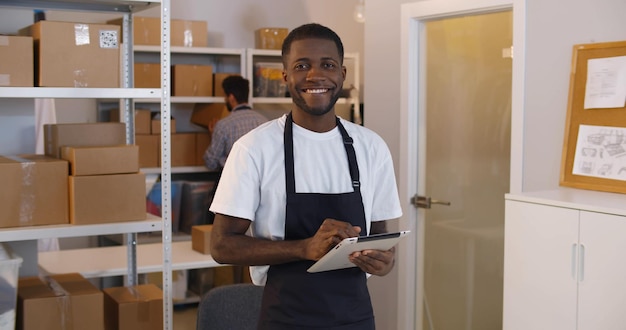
[317, 90]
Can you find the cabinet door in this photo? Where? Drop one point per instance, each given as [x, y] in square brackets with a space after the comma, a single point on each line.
[602, 283]
[539, 267]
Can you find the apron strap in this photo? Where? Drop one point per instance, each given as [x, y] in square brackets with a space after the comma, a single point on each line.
[354, 168]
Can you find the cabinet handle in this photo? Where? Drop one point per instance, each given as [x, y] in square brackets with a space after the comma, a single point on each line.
[581, 263]
[573, 263]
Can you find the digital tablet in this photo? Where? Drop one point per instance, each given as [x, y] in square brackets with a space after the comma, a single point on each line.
[337, 258]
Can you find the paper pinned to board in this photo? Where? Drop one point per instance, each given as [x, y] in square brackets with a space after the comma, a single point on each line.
[606, 83]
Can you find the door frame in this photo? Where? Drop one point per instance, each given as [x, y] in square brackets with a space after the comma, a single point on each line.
[410, 256]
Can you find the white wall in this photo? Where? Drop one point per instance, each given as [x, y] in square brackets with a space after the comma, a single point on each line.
[552, 28]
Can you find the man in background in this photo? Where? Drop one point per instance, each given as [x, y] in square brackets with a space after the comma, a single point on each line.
[240, 121]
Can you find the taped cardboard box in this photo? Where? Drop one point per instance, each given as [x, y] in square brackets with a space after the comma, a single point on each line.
[57, 301]
[183, 33]
[16, 61]
[107, 198]
[270, 38]
[138, 307]
[102, 160]
[34, 191]
[82, 135]
[75, 54]
[207, 114]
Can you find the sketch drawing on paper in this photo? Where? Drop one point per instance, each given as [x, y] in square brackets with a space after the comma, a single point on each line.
[601, 152]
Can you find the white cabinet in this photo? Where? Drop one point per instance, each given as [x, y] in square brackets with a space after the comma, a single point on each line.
[563, 265]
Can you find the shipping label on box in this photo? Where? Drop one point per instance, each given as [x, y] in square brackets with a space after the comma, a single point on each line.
[34, 191]
[16, 61]
[57, 301]
[102, 160]
[76, 54]
[192, 80]
[138, 307]
[82, 134]
[107, 198]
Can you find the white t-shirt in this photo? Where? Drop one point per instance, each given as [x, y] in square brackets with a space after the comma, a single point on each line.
[252, 185]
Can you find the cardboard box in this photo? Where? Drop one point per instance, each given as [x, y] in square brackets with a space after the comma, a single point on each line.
[146, 30]
[143, 120]
[188, 33]
[147, 75]
[9, 272]
[34, 191]
[155, 126]
[183, 152]
[192, 80]
[16, 61]
[59, 301]
[102, 160]
[82, 135]
[107, 198]
[201, 238]
[75, 54]
[179, 282]
[203, 141]
[205, 114]
[149, 150]
[218, 78]
[139, 307]
[183, 33]
[270, 38]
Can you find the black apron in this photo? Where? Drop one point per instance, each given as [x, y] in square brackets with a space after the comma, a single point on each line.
[296, 299]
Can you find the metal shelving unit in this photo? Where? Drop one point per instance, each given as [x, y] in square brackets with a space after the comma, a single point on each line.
[126, 94]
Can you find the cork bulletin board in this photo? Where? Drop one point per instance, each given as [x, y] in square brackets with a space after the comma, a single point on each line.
[594, 147]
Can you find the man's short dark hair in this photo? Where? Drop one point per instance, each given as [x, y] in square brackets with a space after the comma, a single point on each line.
[238, 86]
[312, 31]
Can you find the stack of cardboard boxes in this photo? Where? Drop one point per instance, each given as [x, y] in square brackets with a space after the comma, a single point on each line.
[69, 301]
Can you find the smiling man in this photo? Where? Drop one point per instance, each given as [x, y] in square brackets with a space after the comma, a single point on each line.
[296, 186]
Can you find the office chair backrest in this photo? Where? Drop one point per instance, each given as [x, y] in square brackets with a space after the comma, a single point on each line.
[228, 307]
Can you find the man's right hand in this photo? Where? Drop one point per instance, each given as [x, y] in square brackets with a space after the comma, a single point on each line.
[330, 233]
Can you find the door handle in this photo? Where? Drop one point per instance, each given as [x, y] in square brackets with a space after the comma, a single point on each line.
[426, 202]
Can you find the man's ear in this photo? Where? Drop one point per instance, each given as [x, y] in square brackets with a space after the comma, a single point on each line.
[284, 76]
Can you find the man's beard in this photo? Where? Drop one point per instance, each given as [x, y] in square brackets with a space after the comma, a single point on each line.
[315, 111]
[229, 107]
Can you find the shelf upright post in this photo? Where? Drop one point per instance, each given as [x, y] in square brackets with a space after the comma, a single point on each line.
[126, 105]
[166, 213]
